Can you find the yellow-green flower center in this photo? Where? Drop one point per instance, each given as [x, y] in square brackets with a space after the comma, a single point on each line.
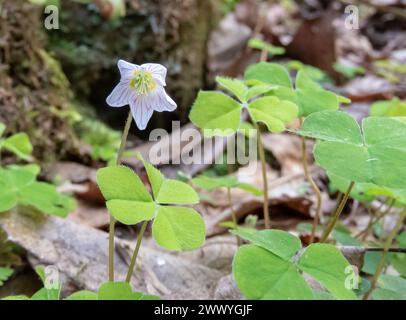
[143, 82]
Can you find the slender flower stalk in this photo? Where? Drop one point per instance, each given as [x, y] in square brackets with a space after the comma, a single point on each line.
[136, 251]
[261, 151]
[337, 213]
[112, 220]
[314, 187]
[386, 249]
[373, 220]
[233, 213]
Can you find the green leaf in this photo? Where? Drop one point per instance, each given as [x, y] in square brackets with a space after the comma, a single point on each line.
[213, 183]
[344, 238]
[47, 199]
[359, 192]
[11, 181]
[390, 288]
[131, 212]
[8, 199]
[249, 188]
[236, 87]
[376, 154]
[117, 291]
[312, 98]
[262, 45]
[20, 145]
[262, 275]
[46, 293]
[121, 183]
[281, 243]
[83, 295]
[179, 229]
[391, 108]
[258, 90]
[273, 112]
[371, 262]
[32, 168]
[327, 265]
[215, 110]
[5, 274]
[348, 71]
[176, 192]
[19, 297]
[156, 178]
[269, 73]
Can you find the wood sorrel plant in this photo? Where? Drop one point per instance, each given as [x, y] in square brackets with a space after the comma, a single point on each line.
[214, 110]
[374, 154]
[309, 96]
[271, 267]
[128, 201]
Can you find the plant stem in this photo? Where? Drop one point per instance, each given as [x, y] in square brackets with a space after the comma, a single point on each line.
[314, 187]
[112, 220]
[264, 176]
[233, 213]
[124, 138]
[375, 220]
[388, 243]
[337, 213]
[136, 250]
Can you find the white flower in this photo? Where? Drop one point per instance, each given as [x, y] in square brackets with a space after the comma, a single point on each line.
[141, 87]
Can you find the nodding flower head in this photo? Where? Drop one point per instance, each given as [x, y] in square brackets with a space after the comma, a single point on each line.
[142, 88]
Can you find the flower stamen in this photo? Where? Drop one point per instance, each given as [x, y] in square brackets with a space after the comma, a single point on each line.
[143, 82]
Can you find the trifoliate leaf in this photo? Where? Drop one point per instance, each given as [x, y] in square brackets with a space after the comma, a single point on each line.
[179, 229]
[376, 154]
[215, 110]
[262, 275]
[326, 264]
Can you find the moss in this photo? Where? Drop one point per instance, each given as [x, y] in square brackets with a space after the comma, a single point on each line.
[34, 91]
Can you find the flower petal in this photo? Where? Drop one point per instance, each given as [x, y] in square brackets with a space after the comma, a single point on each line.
[121, 95]
[141, 110]
[127, 69]
[158, 72]
[163, 102]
